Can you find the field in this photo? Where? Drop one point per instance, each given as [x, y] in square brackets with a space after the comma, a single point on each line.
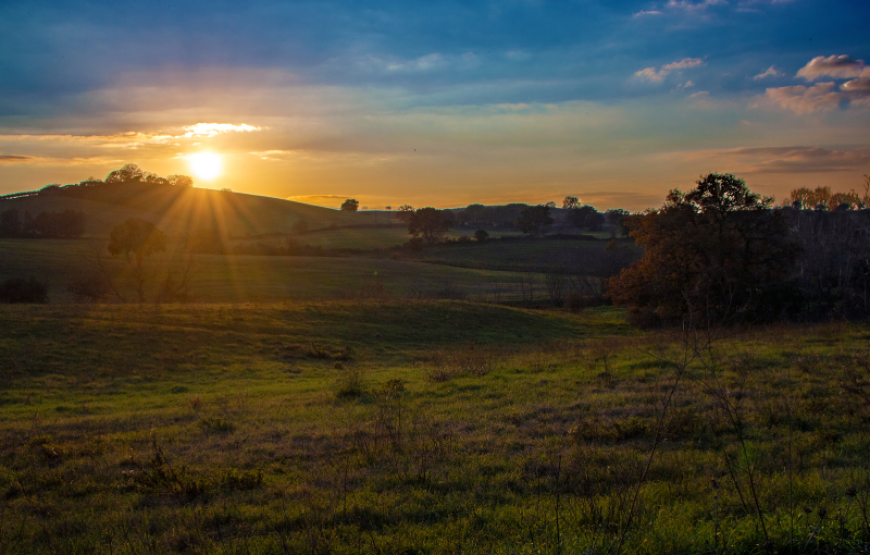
[412, 401]
[424, 427]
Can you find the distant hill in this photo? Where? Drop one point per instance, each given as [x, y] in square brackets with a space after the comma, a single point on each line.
[177, 210]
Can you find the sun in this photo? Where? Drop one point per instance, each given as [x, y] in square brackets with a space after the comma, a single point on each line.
[206, 165]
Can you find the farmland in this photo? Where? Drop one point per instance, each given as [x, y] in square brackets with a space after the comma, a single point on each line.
[423, 426]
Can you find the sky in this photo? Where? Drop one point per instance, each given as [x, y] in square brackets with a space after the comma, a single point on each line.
[439, 103]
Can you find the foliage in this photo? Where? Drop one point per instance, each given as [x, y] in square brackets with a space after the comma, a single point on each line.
[350, 205]
[715, 254]
[481, 235]
[534, 220]
[586, 217]
[136, 237]
[66, 224]
[570, 202]
[429, 224]
[404, 212]
[823, 198]
[21, 290]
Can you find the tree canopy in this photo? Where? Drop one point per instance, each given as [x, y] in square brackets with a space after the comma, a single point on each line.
[350, 205]
[534, 220]
[714, 254]
[429, 224]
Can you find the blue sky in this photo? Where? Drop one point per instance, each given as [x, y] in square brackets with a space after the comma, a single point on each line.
[440, 103]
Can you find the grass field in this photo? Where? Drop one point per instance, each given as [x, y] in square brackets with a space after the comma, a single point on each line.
[576, 254]
[424, 427]
[240, 278]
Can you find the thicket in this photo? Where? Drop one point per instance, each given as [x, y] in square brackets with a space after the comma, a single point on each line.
[66, 224]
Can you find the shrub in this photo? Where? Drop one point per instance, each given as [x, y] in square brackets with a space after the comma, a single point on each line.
[20, 290]
[91, 288]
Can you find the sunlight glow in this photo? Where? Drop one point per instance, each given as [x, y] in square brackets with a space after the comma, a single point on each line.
[205, 165]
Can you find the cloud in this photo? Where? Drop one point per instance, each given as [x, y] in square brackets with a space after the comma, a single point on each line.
[822, 96]
[14, 158]
[650, 73]
[689, 6]
[782, 160]
[647, 12]
[212, 129]
[838, 67]
[771, 72]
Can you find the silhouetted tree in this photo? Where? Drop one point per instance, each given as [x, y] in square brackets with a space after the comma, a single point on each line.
[350, 205]
[135, 239]
[180, 180]
[403, 213]
[10, 223]
[570, 202]
[586, 217]
[428, 224]
[128, 173]
[481, 235]
[534, 220]
[714, 254]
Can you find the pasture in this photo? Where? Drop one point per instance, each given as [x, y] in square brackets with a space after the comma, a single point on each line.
[378, 426]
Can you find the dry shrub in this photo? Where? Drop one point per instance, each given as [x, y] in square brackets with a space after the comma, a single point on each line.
[471, 360]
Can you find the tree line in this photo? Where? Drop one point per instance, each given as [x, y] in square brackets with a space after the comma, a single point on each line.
[67, 224]
[721, 254]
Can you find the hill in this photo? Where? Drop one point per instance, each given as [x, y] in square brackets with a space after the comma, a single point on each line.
[178, 210]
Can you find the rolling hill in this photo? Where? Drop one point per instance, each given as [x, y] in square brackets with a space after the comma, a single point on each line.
[178, 210]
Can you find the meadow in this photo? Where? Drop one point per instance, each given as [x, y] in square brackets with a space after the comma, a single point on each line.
[425, 426]
[397, 400]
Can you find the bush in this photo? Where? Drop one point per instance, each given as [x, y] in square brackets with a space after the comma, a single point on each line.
[20, 290]
[91, 288]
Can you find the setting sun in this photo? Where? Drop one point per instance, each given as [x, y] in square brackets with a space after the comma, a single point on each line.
[205, 165]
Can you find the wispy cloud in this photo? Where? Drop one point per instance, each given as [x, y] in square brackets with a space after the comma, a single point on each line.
[781, 160]
[6, 158]
[647, 12]
[689, 6]
[770, 72]
[212, 129]
[657, 76]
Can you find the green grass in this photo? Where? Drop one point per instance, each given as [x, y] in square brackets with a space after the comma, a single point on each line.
[422, 427]
[362, 238]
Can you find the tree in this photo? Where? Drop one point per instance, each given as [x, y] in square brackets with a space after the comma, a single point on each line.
[481, 235]
[551, 204]
[534, 220]
[135, 239]
[428, 224]
[128, 173]
[716, 254]
[404, 213]
[350, 205]
[180, 180]
[10, 223]
[570, 202]
[616, 218]
[586, 217]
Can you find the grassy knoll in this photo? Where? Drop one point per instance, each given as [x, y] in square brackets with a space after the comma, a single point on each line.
[241, 278]
[424, 427]
[181, 210]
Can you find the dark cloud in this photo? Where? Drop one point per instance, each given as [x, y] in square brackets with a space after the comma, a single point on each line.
[14, 158]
